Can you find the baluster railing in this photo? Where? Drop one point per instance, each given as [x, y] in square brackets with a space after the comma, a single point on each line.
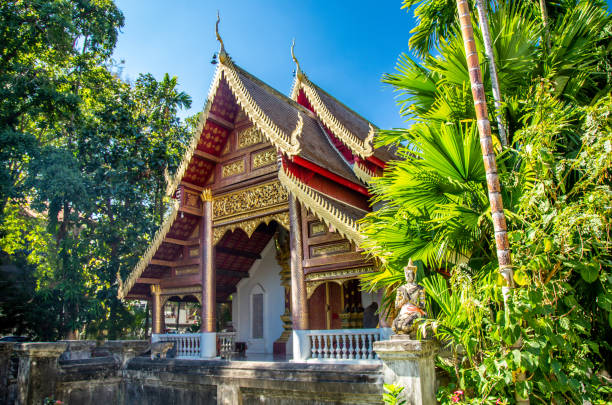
[342, 344]
[226, 343]
[187, 344]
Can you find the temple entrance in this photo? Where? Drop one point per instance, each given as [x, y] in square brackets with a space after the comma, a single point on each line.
[325, 306]
[181, 315]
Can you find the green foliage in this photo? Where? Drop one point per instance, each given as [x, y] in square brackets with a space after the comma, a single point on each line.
[391, 395]
[84, 157]
[549, 338]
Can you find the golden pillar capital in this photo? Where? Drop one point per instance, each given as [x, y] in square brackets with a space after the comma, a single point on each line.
[206, 195]
[155, 289]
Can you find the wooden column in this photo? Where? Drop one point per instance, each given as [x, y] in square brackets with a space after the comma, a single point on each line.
[299, 301]
[207, 267]
[156, 309]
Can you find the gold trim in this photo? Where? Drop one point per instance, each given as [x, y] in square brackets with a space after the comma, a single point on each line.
[336, 274]
[363, 173]
[330, 249]
[249, 137]
[183, 291]
[184, 271]
[362, 148]
[249, 226]
[206, 195]
[263, 158]
[248, 201]
[142, 264]
[288, 143]
[195, 137]
[322, 209]
[233, 168]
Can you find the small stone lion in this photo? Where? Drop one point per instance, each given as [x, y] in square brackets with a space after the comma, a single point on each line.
[410, 302]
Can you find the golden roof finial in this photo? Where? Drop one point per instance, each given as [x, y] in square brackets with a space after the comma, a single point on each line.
[298, 70]
[222, 54]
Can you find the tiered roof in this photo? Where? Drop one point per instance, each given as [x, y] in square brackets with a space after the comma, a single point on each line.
[314, 134]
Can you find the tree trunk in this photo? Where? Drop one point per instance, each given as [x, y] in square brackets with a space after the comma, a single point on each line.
[544, 12]
[486, 143]
[146, 325]
[486, 35]
[488, 156]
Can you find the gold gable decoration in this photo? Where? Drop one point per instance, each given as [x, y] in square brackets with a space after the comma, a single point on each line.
[195, 138]
[251, 201]
[362, 148]
[289, 144]
[250, 225]
[144, 261]
[321, 208]
[363, 173]
[249, 137]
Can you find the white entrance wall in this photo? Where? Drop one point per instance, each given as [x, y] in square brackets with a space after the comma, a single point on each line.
[263, 278]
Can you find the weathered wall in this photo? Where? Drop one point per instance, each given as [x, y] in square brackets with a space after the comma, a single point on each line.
[212, 382]
[45, 370]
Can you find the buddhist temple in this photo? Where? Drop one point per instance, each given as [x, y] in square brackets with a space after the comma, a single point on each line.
[263, 231]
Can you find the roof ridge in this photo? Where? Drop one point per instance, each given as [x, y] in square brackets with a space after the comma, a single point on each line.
[360, 147]
[329, 214]
[272, 90]
[343, 104]
[144, 261]
[288, 143]
[195, 137]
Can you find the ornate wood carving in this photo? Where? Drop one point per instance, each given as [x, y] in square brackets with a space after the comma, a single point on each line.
[249, 136]
[233, 168]
[313, 280]
[317, 228]
[250, 201]
[264, 158]
[249, 225]
[192, 200]
[330, 249]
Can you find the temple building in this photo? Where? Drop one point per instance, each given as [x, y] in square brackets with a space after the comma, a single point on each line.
[263, 232]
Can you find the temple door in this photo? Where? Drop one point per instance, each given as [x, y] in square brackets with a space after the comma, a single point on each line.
[325, 306]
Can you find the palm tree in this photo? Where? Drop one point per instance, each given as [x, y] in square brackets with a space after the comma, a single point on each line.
[486, 36]
[486, 144]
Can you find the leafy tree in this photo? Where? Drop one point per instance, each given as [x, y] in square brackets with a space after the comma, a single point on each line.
[86, 154]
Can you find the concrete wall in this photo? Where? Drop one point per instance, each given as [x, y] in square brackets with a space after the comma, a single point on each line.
[263, 276]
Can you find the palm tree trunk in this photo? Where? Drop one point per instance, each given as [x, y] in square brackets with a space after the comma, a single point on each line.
[486, 144]
[544, 12]
[486, 35]
[488, 155]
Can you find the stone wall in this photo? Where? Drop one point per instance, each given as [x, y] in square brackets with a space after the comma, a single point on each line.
[109, 374]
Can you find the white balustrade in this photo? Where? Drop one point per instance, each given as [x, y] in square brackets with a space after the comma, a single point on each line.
[188, 345]
[226, 343]
[348, 345]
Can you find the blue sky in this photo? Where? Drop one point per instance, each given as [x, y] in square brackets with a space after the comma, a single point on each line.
[343, 46]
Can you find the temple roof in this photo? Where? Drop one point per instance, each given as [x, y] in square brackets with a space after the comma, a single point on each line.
[302, 136]
[314, 145]
[340, 215]
[351, 134]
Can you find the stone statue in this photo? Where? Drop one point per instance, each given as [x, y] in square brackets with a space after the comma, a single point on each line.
[410, 302]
